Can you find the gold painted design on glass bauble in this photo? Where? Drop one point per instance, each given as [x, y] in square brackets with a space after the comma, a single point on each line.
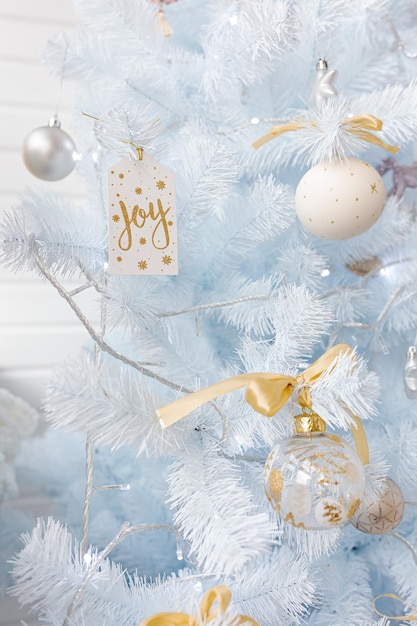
[315, 482]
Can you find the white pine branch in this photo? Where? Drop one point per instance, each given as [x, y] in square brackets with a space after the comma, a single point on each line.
[281, 591]
[312, 544]
[396, 106]
[346, 387]
[66, 235]
[117, 129]
[351, 303]
[264, 212]
[112, 405]
[301, 262]
[345, 577]
[51, 557]
[401, 454]
[401, 318]
[250, 316]
[207, 172]
[204, 489]
[132, 308]
[241, 46]
[300, 319]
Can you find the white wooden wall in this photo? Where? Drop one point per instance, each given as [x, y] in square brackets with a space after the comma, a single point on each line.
[37, 328]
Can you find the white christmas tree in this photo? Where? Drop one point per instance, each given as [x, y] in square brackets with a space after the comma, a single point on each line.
[260, 294]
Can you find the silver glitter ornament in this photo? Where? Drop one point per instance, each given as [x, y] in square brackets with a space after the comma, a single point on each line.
[49, 152]
[322, 87]
[410, 373]
[380, 516]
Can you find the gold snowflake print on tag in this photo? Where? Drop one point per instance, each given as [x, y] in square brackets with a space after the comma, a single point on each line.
[142, 218]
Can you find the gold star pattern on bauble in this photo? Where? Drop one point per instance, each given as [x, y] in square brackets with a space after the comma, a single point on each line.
[116, 218]
[382, 515]
[160, 184]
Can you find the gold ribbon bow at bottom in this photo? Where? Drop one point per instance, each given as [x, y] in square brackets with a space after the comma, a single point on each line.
[267, 393]
[221, 594]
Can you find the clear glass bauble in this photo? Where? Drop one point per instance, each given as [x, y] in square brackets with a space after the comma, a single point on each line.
[314, 481]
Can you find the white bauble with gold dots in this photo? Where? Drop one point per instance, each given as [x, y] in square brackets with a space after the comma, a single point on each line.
[340, 200]
[314, 481]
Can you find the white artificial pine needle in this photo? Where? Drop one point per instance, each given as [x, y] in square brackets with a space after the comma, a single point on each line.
[148, 519]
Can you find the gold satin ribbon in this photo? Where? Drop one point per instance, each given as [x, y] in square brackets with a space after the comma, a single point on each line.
[221, 594]
[267, 393]
[398, 618]
[358, 125]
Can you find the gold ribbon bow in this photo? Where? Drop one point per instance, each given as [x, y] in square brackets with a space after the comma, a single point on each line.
[221, 594]
[267, 393]
[412, 617]
[358, 125]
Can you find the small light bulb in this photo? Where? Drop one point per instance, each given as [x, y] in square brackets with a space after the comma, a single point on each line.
[255, 120]
[325, 273]
[410, 373]
[233, 20]
[180, 553]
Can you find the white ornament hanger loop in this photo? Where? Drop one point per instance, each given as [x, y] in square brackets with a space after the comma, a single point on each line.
[139, 149]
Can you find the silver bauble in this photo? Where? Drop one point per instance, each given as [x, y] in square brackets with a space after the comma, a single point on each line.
[380, 516]
[49, 152]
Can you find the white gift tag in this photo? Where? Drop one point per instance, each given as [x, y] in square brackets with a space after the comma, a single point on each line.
[142, 218]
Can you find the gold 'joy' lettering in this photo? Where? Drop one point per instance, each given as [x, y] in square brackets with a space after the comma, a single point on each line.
[139, 218]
